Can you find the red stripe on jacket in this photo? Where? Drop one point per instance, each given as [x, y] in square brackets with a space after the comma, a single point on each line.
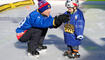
[21, 34]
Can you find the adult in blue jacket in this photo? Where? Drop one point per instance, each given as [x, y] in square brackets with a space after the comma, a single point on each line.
[73, 29]
[34, 28]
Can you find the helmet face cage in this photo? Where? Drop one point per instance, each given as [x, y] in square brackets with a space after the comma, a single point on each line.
[70, 3]
[76, 1]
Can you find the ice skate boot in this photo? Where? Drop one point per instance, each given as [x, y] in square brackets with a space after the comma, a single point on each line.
[74, 55]
[34, 53]
[42, 49]
[77, 55]
[66, 53]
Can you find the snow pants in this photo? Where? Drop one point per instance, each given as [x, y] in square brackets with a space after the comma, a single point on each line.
[34, 37]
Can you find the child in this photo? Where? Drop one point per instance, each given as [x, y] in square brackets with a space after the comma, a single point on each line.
[34, 28]
[73, 29]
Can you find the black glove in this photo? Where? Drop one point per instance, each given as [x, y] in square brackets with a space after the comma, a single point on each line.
[61, 19]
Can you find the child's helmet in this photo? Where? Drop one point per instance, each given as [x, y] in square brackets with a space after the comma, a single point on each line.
[72, 3]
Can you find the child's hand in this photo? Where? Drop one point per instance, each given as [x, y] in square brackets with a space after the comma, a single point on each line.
[80, 37]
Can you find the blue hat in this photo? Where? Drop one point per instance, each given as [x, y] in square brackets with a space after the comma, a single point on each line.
[43, 5]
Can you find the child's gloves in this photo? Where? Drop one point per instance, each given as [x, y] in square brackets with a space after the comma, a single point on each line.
[80, 37]
[61, 19]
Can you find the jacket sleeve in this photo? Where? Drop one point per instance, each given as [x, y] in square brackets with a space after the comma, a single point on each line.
[40, 22]
[79, 25]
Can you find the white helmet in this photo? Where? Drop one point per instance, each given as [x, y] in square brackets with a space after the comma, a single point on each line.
[72, 3]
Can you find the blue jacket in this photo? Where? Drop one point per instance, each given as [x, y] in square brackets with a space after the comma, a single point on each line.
[35, 19]
[78, 21]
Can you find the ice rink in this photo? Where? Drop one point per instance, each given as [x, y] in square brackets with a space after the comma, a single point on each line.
[92, 47]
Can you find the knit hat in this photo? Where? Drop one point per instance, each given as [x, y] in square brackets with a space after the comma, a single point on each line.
[43, 5]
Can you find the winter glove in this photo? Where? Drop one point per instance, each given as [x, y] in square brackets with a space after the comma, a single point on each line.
[61, 19]
[80, 37]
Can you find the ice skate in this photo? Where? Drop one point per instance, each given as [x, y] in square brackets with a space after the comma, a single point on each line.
[77, 55]
[33, 54]
[42, 49]
[74, 55]
[66, 53]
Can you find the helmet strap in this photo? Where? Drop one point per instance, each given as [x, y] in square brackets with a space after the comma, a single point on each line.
[74, 9]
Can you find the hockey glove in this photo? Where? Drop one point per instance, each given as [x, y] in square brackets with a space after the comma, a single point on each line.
[61, 19]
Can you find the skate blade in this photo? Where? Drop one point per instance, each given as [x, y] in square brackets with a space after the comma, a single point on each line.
[43, 51]
[35, 56]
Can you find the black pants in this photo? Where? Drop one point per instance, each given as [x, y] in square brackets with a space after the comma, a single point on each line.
[34, 37]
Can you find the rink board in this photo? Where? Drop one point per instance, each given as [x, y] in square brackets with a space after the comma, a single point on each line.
[15, 5]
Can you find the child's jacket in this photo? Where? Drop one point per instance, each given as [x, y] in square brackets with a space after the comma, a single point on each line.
[76, 28]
